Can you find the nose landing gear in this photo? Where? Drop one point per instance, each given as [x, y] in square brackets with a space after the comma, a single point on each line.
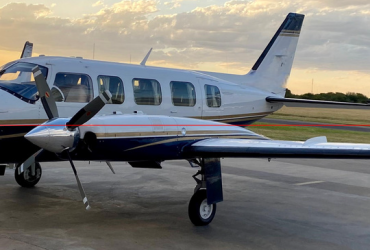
[29, 177]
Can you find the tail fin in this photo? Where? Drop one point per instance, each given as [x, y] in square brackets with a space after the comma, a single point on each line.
[27, 50]
[272, 69]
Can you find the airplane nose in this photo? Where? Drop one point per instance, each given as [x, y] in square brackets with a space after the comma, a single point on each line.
[39, 136]
[53, 136]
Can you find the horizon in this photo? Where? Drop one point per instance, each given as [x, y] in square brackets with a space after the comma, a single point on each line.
[220, 36]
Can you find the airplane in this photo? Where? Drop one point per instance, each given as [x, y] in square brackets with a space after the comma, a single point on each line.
[132, 138]
[139, 92]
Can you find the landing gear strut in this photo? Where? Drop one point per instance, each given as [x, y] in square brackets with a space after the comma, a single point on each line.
[208, 191]
[30, 176]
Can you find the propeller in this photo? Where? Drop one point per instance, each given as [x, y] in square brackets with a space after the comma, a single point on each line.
[53, 135]
[47, 99]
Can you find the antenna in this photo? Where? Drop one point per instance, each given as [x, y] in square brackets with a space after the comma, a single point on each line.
[143, 62]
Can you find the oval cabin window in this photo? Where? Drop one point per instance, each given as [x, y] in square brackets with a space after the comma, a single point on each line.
[115, 86]
[147, 91]
[183, 94]
[213, 96]
[70, 87]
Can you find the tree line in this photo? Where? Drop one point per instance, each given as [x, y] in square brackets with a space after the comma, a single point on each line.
[331, 96]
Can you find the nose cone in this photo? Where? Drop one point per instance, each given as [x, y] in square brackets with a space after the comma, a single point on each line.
[40, 136]
[53, 136]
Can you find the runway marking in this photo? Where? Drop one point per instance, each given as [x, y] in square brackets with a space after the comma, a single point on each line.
[308, 183]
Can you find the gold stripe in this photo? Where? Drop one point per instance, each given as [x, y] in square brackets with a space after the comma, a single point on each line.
[133, 134]
[146, 134]
[25, 121]
[12, 136]
[232, 116]
[185, 138]
[292, 35]
[242, 119]
[39, 121]
[291, 31]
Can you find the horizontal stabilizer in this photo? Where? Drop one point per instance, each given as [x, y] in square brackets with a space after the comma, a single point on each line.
[312, 148]
[304, 103]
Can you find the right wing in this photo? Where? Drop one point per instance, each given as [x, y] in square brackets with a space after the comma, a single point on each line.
[316, 147]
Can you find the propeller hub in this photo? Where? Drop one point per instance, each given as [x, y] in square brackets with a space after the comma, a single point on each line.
[54, 136]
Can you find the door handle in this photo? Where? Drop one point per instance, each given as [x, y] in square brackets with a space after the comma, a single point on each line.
[173, 112]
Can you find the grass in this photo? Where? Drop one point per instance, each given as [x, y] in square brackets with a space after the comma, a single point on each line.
[294, 133]
[335, 116]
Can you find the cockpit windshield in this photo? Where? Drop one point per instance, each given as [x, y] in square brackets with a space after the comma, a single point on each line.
[18, 80]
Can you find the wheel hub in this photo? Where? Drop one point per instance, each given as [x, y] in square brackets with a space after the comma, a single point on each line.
[205, 209]
[28, 175]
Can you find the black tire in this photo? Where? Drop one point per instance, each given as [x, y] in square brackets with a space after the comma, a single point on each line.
[26, 179]
[199, 210]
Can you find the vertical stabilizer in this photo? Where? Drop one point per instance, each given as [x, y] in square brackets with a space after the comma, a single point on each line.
[272, 69]
[27, 50]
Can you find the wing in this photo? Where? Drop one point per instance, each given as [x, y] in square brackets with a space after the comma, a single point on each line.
[304, 103]
[316, 147]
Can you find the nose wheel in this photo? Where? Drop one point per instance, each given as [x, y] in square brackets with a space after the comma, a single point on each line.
[29, 177]
[200, 212]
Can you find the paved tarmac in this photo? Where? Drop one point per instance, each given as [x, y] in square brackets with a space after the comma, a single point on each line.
[316, 124]
[282, 204]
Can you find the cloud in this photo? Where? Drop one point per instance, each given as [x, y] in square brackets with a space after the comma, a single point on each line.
[174, 4]
[98, 3]
[334, 37]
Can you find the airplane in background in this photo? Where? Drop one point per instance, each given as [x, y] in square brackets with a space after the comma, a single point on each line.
[143, 91]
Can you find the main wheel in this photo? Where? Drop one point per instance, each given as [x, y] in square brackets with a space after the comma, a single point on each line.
[200, 213]
[26, 179]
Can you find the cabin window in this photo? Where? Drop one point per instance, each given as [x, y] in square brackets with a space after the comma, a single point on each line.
[147, 91]
[213, 96]
[69, 87]
[115, 85]
[183, 94]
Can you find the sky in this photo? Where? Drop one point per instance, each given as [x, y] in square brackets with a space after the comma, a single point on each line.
[210, 35]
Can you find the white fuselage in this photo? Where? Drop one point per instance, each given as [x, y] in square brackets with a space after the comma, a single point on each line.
[239, 103]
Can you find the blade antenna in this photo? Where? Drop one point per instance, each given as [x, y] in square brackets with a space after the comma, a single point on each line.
[143, 62]
[80, 187]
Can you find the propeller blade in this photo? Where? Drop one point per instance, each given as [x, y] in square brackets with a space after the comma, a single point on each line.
[47, 99]
[89, 111]
[110, 166]
[80, 187]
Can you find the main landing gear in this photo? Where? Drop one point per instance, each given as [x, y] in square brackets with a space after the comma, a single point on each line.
[208, 191]
[30, 176]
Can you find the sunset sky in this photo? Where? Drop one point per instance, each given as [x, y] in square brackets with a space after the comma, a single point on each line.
[211, 35]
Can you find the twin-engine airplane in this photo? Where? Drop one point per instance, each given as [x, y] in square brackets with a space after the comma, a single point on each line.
[138, 89]
[132, 137]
